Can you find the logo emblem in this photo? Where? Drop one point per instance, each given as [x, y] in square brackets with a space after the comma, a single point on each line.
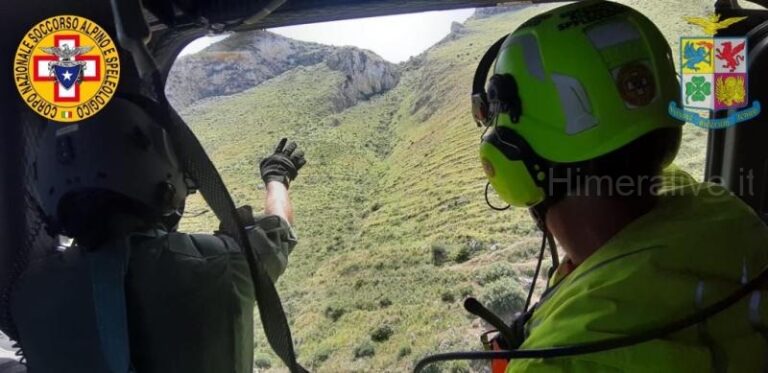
[636, 84]
[714, 76]
[66, 68]
[488, 167]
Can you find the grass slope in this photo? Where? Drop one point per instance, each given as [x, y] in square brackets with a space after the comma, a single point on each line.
[393, 226]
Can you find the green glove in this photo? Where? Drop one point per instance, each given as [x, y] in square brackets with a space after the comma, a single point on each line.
[284, 164]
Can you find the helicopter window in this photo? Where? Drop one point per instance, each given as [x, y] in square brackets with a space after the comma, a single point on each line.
[394, 230]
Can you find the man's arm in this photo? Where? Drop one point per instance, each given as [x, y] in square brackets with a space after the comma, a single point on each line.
[277, 171]
[271, 235]
[278, 202]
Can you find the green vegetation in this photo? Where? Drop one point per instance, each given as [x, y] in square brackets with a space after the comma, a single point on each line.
[394, 230]
[382, 333]
[503, 296]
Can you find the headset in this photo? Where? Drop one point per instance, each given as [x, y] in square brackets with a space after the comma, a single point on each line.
[519, 175]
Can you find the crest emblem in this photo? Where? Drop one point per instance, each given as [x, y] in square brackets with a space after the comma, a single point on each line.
[714, 76]
[66, 68]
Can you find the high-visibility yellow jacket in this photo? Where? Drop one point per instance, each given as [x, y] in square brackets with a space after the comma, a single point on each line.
[698, 245]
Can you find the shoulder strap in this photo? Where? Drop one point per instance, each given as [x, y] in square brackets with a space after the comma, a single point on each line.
[107, 268]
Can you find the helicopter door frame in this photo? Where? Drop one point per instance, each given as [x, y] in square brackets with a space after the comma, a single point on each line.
[737, 157]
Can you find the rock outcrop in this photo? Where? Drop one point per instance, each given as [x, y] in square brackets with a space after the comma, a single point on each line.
[244, 60]
[366, 73]
[237, 63]
[489, 11]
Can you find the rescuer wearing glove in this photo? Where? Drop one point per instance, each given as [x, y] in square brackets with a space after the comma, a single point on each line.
[277, 171]
[131, 292]
[578, 132]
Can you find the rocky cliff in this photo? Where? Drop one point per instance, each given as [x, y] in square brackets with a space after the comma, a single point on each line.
[247, 59]
[486, 12]
[367, 75]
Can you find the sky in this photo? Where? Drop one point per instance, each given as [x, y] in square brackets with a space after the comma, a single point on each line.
[395, 38]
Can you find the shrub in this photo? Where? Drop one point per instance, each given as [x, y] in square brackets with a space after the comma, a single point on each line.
[460, 367]
[262, 361]
[493, 272]
[466, 291]
[404, 351]
[334, 313]
[365, 305]
[439, 254]
[503, 296]
[321, 356]
[526, 250]
[385, 302]
[365, 349]
[432, 368]
[463, 255]
[382, 333]
[448, 297]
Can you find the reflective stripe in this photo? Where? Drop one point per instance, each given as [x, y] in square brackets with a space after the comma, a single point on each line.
[744, 271]
[575, 103]
[610, 34]
[754, 310]
[531, 53]
[700, 294]
[718, 356]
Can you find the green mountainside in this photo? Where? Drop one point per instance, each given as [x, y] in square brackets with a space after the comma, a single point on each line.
[394, 231]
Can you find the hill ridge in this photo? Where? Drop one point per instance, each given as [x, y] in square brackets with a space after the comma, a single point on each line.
[245, 60]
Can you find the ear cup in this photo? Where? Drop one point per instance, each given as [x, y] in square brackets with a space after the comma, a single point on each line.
[513, 169]
[507, 164]
[503, 97]
[480, 109]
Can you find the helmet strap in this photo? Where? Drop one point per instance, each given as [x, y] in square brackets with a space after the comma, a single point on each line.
[488, 202]
[538, 213]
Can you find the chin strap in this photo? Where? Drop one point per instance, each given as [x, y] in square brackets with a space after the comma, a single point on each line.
[544, 239]
[539, 215]
[553, 254]
[488, 201]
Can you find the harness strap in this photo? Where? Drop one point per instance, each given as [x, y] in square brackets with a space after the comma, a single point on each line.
[107, 270]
